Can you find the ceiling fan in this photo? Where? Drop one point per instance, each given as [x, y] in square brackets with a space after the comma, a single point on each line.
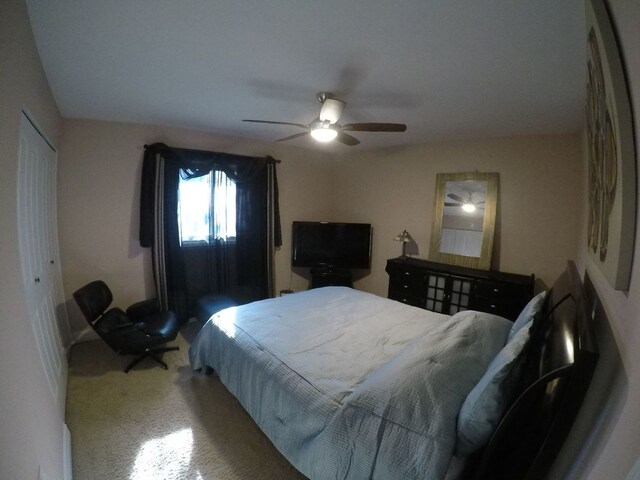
[468, 205]
[326, 127]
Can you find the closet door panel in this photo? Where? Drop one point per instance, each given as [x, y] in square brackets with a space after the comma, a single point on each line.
[38, 243]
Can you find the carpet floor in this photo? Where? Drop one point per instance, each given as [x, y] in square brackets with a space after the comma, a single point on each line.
[161, 424]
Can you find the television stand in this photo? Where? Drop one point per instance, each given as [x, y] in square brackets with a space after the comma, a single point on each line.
[330, 277]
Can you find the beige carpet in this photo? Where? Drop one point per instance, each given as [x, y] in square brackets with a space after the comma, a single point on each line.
[157, 424]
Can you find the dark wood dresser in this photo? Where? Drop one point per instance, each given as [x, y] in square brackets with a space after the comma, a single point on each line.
[449, 289]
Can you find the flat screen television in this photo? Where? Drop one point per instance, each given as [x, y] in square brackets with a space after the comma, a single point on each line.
[331, 245]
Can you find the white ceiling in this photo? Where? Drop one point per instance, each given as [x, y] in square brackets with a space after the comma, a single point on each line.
[448, 69]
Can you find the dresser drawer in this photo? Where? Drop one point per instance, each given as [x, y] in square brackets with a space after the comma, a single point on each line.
[406, 280]
[409, 285]
[487, 288]
[403, 297]
[503, 308]
[407, 273]
[501, 298]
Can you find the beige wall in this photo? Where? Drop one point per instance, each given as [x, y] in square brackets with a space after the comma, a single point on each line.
[392, 189]
[538, 215]
[30, 425]
[99, 191]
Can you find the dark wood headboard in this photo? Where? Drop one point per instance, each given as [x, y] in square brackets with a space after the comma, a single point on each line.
[556, 371]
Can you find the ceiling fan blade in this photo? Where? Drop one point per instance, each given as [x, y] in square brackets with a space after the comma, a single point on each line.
[291, 137]
[278, 123]
[347, 139]
[375, 127]
[331, 110]
[457, 198]
[449, 204]
[479, 203]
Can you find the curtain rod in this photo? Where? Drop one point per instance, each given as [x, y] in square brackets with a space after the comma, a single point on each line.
[268, 156]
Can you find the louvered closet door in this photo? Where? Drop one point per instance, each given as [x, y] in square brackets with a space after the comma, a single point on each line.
[38, 237]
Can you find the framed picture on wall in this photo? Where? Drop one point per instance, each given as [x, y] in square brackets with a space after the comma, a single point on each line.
[611, 152]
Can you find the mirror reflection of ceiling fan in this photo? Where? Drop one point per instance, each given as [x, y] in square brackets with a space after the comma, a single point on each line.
[468, 205]
[326, 127]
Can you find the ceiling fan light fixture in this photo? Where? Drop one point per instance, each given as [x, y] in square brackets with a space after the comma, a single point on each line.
[325, 128]
[331, 110]
[468, 207]
[324, 134]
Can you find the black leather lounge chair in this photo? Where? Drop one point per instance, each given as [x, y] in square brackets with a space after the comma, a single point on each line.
[142, 330]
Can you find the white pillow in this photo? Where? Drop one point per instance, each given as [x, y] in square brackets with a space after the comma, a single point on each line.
[532, 311]
[483, 408]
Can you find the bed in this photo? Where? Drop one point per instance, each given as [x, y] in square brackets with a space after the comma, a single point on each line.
[348, 385]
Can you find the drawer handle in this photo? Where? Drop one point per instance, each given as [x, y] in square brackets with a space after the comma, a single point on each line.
[493, 306]
[407, 273]
[404, 300]
[405, 286]
[496, 290]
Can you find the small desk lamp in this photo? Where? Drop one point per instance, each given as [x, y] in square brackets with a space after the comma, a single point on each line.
[405, 238]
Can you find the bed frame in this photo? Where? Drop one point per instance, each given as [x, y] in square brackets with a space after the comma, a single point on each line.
[556, 371]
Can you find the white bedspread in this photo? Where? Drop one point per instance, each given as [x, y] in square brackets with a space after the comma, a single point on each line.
[348, 385]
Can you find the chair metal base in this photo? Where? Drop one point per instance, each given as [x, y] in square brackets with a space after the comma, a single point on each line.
[153, 354]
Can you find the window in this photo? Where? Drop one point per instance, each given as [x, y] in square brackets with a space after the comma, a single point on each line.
[206, 209]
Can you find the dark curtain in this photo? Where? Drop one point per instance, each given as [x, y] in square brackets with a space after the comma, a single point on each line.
[209, 269]
[243, 270]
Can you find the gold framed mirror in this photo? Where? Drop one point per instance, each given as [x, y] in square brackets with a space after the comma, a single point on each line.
[464, 219]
